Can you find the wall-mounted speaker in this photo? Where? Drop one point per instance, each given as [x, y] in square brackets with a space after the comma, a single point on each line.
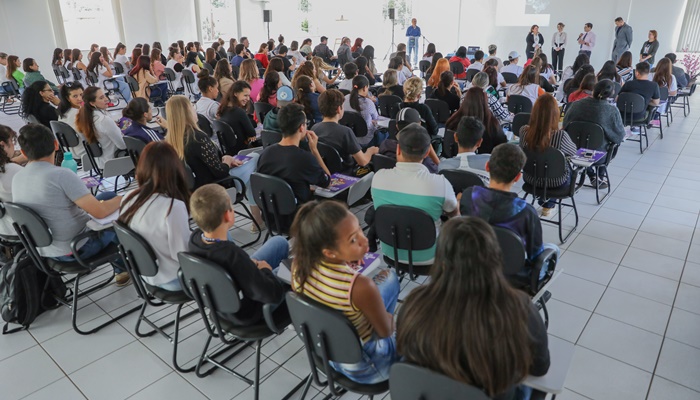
[267, 15]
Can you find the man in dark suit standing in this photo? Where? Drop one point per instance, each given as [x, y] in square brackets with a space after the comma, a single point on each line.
[623, 38]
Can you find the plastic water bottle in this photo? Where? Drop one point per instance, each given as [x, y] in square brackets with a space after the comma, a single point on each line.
[69, 162]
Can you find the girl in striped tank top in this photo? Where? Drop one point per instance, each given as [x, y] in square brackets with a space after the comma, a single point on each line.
[329, 239]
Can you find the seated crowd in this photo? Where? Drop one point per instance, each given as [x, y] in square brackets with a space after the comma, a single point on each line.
[305, 95]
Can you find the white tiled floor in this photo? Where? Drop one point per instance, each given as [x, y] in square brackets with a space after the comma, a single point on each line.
[629, 298]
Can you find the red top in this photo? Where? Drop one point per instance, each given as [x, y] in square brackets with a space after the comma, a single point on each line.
[578, 95]
[464, 62]
[263, 59]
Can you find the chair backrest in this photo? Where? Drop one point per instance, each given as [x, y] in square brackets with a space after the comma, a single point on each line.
[456, 67]
[510, 77]
[389, 105]
[31, 119]
[411, 382]
[32, 227]
[547, 165]
[512, 249]
[93, 151]
[261, 70]
[118, 68]
[188, 76]
[449, 145]
[663, 93]
[65, 134]
[135, 147]
[429, 91]
[210, 284]
[136, 251]
[439, 108]
[380, 161]
[261, 110]
[274, 197]
[358, 191]
[91, 78]
[393, 129]
[460, 179]
[629, 104]
[405, 228]
[330, 157]
[204, 124]
[345, 92]
[259, 64]
[76, 73]
[519, 120]
[226, 135]
[235, 71]
[470, 73]
[354, 121]
[270, 137]
[618, 87]
[209, 68]
[11, 87]
[324, 330]
[170, 74]
[133, 84]
[518, 104]
[586, 135]
[423, 65]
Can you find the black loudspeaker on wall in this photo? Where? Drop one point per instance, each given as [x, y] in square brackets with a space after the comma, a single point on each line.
[267, 15]
[391, 14]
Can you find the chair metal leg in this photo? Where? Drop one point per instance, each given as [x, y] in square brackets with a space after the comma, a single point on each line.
[175, 337]
[237, 346]
[305, 383]
[256, 384]
[249, 215]
[546, 313]
[604, 170]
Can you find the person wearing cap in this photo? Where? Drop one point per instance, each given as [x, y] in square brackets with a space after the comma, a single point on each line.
[285, 95]
[558, 47]
[586, 40]
[340, 137]
[469, 135]
[513, 67]
[405, 117]
[299, 168]
[492, 55]
[411, 184]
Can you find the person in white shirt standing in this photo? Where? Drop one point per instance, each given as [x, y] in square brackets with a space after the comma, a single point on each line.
[586, 40]
[558, 48]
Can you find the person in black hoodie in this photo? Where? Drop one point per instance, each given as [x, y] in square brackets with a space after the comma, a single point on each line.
[254, 275]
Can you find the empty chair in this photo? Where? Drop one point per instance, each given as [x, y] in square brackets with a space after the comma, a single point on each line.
[456, 67]
[423, 66]
[684, 96]
[226, 135]
[188, 79]
[471, 72]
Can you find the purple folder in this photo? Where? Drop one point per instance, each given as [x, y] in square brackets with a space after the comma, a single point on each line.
[340, 182]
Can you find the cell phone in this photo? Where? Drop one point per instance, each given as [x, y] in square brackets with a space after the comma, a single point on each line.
[588, 154]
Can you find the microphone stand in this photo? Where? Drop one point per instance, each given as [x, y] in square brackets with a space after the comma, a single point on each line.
[424, 39]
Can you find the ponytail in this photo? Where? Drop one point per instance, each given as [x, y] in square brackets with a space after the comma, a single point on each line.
[358, 83]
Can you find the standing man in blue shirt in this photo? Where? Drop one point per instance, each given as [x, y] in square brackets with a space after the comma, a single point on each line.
[413, 34]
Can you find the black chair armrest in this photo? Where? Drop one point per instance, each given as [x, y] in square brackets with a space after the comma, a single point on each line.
[97, 261]
[233, 180]
[548, 257]
[268, 311]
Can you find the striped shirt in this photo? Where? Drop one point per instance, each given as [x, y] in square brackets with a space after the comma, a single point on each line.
[560, 140]
[412, 185]
[331, 285]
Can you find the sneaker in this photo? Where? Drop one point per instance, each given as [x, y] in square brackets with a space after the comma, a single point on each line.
[122, 279]
[545, 211]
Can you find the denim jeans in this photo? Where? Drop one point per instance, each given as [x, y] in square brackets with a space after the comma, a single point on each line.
[97, 243]
[159, 94]
[413, 50]
[378, 354]
[554, 247]
[120, 86]
[244, 172]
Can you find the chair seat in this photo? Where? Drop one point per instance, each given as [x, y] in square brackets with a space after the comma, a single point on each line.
[552, 193]
[74, 267]
[417, 269]
[168, 296]
[258, 330]
[352, 386]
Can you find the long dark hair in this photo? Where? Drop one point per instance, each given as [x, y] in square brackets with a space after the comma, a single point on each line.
[206, 81]
[480, 318]
[664, 73]
[94, 62]
[135, 110]
[314, 230]
[144, 64]
[158, 172]
[229, 100]
[302, 87]
[579, 62]
[222, 70]
[430, 51]
[57, 57]
[609, 71]
[135, 54]
[105, 53]
[66, 90]
[85, 120]
[446, 80]
[191, 58]
[119, 48]
[625, 60]
[436, 58]
[358, 83]
[6, 135]
[276, 65]
[544, 120]
[31, 99]
[575, 82]
[475, 104]
[269, 87]
[529, 76]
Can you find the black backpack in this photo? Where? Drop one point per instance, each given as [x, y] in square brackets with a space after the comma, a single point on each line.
[21, 288]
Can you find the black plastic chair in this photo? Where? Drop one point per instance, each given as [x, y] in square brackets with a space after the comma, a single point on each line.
[380, 162]
[171, 78]
[519, 120]
[276, 201]
[461, 180]
[471, 72]
[392, 129]
[226, 135]
[519, 104]
[345, 92]
[664, 98]
[209, 68]
[77, 76]
[188, 80]
[684, 96]
[141, 261]
[235, 71]
[133, 85]
[630, 104]
[429, 91]
[269, 138]
[440, 109]
[261, 110]
[11, 99]
[515, 262]
[216, 295]
[510, 77]
[118, 68]
[330, 157]
[328, 335]
[65, 134]
[411, 382]
[449, 145]
[204, 125]
[456, 68]
[354, 121]
[588, 135]
[423, 66]
[135, 147]
[405, 228]
[34, 233]
[389, 105]
[551, 164]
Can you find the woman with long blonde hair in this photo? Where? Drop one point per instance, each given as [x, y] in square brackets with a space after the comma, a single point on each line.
[321, 76]
[308, 69]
